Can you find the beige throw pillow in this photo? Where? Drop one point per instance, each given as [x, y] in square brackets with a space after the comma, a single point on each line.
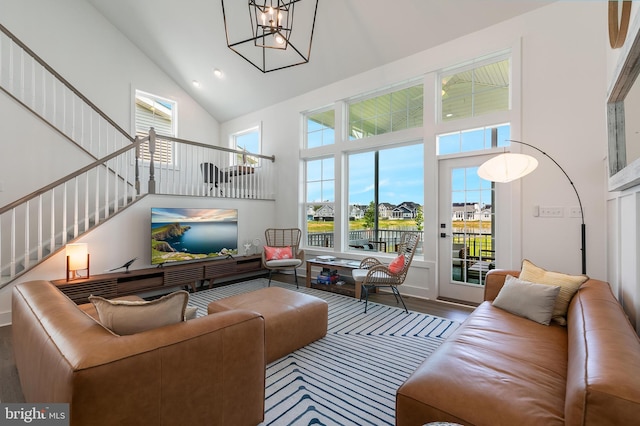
[527, 300]
[129, 317]
[569, 284]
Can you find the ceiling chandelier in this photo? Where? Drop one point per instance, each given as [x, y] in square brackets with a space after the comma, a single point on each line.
[270, 43]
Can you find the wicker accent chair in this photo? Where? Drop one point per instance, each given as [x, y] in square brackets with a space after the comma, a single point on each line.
[373, 274]
[282, 238]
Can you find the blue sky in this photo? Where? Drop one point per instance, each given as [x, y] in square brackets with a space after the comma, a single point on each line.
[402, 170]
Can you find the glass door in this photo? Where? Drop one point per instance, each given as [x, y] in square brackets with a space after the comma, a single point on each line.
[467, 230]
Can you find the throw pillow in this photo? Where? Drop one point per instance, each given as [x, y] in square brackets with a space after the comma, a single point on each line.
[129, 317]
[569, 284]
[278, 253]
[190, 313]
[527, 300]
[396, 265]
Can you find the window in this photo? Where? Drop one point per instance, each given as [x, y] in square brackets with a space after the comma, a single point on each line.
[472, 91]
[390, 112]
[159, 113]
[249, 142]
[386, 195]
[474, 139]
[320, 128]
[320, 198]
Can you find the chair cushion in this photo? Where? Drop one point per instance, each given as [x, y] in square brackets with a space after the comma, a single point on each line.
[279, 263]
[396, 265]
[359, 274]
[277, 253]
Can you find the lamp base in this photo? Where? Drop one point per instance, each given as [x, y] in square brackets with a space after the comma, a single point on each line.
[73, 274]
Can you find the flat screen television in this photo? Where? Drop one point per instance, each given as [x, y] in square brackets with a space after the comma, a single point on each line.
[184, 234]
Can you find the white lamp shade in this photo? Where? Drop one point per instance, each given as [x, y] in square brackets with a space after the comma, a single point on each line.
[507, 167]
[77, 254]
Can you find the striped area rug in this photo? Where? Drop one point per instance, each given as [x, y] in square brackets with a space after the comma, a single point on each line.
[350, 377]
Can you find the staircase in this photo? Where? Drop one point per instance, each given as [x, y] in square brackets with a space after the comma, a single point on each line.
[40, 224]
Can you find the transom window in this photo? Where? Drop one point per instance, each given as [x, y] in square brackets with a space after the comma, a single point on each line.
[475, 90]
[389, 112]
[320, 128]
[474, 139]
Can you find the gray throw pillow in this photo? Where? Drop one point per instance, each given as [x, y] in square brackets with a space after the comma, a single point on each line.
[528, 300]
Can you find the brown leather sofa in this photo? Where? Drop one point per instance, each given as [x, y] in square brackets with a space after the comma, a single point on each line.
[502, 369]
[209, 370]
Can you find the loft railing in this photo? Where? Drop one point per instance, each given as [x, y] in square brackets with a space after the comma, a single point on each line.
[197, 169]
[29, 80]
[38, 225]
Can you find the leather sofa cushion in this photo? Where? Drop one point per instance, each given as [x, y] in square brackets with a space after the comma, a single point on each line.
[496, 368]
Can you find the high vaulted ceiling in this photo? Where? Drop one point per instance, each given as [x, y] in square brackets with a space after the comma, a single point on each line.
[187, 40]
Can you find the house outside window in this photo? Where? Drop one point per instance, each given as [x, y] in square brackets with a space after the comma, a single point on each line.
[388, 184]
[161, 114]
[320, 201]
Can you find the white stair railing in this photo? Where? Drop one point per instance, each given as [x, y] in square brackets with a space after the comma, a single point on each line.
[43, 222]
[29, 80]
[202, 170]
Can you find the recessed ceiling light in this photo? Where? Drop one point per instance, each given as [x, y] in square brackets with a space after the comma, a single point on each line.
[195, 83]
[218, 73]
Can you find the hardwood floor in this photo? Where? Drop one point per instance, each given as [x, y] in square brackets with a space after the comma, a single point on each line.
[10, 390]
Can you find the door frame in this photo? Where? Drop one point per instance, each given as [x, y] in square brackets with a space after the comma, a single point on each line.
[507, 217]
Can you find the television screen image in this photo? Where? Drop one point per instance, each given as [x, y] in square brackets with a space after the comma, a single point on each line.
[183, 234]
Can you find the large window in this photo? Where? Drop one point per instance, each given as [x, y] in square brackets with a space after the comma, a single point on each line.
[320, 201]
[364, 157]
[159, 113]
[389, 112]
[386, 195]
[474, 90]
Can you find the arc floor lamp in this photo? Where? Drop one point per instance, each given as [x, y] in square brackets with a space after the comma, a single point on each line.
[509, 166]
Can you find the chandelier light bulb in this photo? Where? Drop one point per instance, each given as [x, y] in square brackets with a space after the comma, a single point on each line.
[279, 39]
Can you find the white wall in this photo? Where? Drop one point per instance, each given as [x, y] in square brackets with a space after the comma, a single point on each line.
[72, 37]
[563, 46]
